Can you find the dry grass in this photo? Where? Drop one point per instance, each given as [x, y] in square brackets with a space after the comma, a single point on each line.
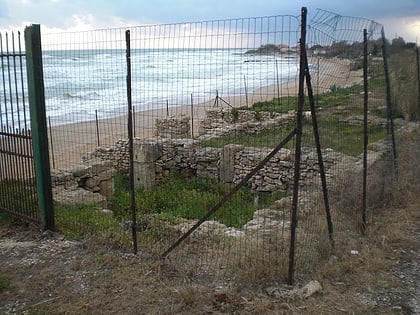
[87, 278]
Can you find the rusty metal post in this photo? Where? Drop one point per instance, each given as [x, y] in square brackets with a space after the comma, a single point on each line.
[319, 154]
[97, 127]
[365, 128]
[130, 145]
[192, 117]
[390, 119]
[298, 151]
[231, 193]
[418, 78]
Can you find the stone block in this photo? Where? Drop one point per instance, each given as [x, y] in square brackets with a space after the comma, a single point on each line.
[144, 175]
[146, 151]
[107, 188]
[227, 162]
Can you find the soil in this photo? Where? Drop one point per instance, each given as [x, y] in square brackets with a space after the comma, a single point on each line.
[43, 273]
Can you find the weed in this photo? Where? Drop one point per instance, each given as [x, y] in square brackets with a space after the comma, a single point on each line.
[4, 283]
[79, 221]
[18, 195]
[190, 199]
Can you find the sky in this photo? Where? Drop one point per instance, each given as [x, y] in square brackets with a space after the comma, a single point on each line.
[399, 17]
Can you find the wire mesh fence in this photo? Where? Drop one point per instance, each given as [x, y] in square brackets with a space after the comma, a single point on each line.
[216, 108]
[182, 74]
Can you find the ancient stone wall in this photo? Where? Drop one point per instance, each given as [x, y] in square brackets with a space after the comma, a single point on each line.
[92, 181]
[154, 159]
[223, 121]
[173, 128]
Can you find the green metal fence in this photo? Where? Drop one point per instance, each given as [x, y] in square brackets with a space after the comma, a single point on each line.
[25, 182]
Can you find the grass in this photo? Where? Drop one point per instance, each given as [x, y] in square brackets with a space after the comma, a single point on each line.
[347, 139]
[4, 283]
[189, 199]
[266, 138]
[79, 221]
[178, 198]
[333, 134]
[331, 107]
[404, 88]
[18, 195]
[6, 218]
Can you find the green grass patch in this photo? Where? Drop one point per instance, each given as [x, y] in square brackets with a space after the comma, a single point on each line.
[4, 283]
[340, 137]
[80, 220]
[333, 134]
[18, 195]
[332, 107]
[190, 199]
[277, 105]
[5, 218]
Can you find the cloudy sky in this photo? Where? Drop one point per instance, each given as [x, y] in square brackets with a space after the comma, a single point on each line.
[400, 17]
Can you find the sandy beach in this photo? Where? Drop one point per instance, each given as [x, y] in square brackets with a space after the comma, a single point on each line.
[69, 142]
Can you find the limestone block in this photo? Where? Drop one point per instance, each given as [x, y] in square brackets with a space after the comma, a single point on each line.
[80, 171]
[92, 182]
[227, 162]
[310, 289]
[79, 195]
[146, 151]
[107, 188]
[144, 175]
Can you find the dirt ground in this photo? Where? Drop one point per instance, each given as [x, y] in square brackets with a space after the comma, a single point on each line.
[47, 274]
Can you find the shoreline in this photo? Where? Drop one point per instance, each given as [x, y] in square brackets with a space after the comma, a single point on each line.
[68, 142]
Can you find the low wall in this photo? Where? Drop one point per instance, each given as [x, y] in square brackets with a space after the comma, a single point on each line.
[154, 159]
[221, 121]
[92, 181]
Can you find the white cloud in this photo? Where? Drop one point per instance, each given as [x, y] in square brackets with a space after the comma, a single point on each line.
[77, 15]
[408, 28]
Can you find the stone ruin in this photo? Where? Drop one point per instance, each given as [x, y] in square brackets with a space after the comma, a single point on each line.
[92, 181]
[221, 121]
[155, 158]
[173, 128]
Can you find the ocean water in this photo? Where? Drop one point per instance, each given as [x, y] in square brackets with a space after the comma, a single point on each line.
[81, 85]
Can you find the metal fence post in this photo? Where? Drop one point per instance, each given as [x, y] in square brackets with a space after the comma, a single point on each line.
[39, 124]
[130, 144]
[390, 119]
[418, 77]
[298, 151]
[319, 154]
[365, 128]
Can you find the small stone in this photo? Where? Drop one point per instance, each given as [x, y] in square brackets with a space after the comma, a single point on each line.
[310, 289]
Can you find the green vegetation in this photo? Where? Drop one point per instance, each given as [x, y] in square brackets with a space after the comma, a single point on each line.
[190, 199]
[332, 108]
[343, 138]
[5, 217]
[18, 195]
[4, 283]
[80, 220]
[405, 85]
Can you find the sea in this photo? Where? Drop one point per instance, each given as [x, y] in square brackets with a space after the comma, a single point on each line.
[84, 85]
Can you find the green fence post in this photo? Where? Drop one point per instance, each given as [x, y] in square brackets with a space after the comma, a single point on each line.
[39, 124]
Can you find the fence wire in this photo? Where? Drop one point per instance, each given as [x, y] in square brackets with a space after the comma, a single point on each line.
[211, 100]
[335, 51]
